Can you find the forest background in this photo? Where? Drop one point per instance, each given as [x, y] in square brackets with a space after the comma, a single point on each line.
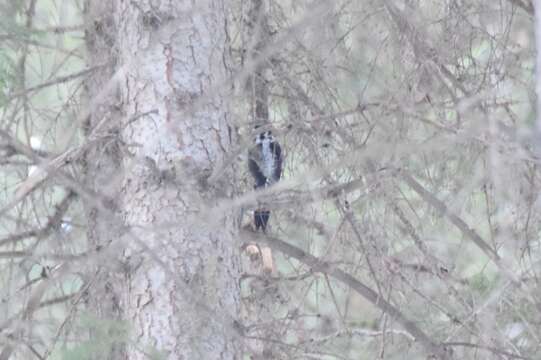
[406, 223]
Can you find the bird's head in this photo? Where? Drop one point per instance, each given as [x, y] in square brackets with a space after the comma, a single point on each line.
[264, 137]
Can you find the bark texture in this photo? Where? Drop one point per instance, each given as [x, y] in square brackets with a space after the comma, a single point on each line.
[182, 289]
[102, 174]
[537, 14]
[262, 304]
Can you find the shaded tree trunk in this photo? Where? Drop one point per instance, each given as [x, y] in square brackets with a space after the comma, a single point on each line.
[261, 305]
[101, 175]
[537, 6]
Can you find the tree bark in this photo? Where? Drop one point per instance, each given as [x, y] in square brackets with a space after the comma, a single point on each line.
[182, 288]
[258, 36]
[261, 305]
[537, 13]
[166, 267]
[101, 175]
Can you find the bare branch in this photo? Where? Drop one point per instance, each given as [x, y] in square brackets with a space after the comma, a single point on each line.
[52, 223]
[55, 81]
[457, 221]
[366, 292]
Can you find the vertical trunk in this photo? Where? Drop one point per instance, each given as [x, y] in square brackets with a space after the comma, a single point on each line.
[258, 38]
[101, 166]
[261, 308]
[537, 6]
[182, 291]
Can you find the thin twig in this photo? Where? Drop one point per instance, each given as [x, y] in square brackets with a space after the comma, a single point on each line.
[366, 292]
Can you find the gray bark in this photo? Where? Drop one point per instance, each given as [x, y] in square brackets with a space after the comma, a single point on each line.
[100, 169]
[537, 6]
[258, 36]
[182, 290]
[166, 267]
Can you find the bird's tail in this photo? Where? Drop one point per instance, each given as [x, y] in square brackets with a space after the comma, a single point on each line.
[261, 218]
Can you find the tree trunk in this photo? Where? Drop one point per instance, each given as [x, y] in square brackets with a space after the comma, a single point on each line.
[180, 294]
[261, 306]
[537, 14]
[100, 171]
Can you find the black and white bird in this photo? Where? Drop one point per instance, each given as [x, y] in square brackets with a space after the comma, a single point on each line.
[265, 164]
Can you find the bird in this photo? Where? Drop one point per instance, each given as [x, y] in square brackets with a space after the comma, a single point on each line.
[265, 165]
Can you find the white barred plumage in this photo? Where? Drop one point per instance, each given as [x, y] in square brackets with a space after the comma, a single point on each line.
[265, 164]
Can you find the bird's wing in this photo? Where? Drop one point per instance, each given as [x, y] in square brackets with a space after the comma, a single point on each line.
[260, 179]
[278, 158]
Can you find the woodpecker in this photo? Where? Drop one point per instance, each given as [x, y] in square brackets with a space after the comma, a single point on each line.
[265, 164]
